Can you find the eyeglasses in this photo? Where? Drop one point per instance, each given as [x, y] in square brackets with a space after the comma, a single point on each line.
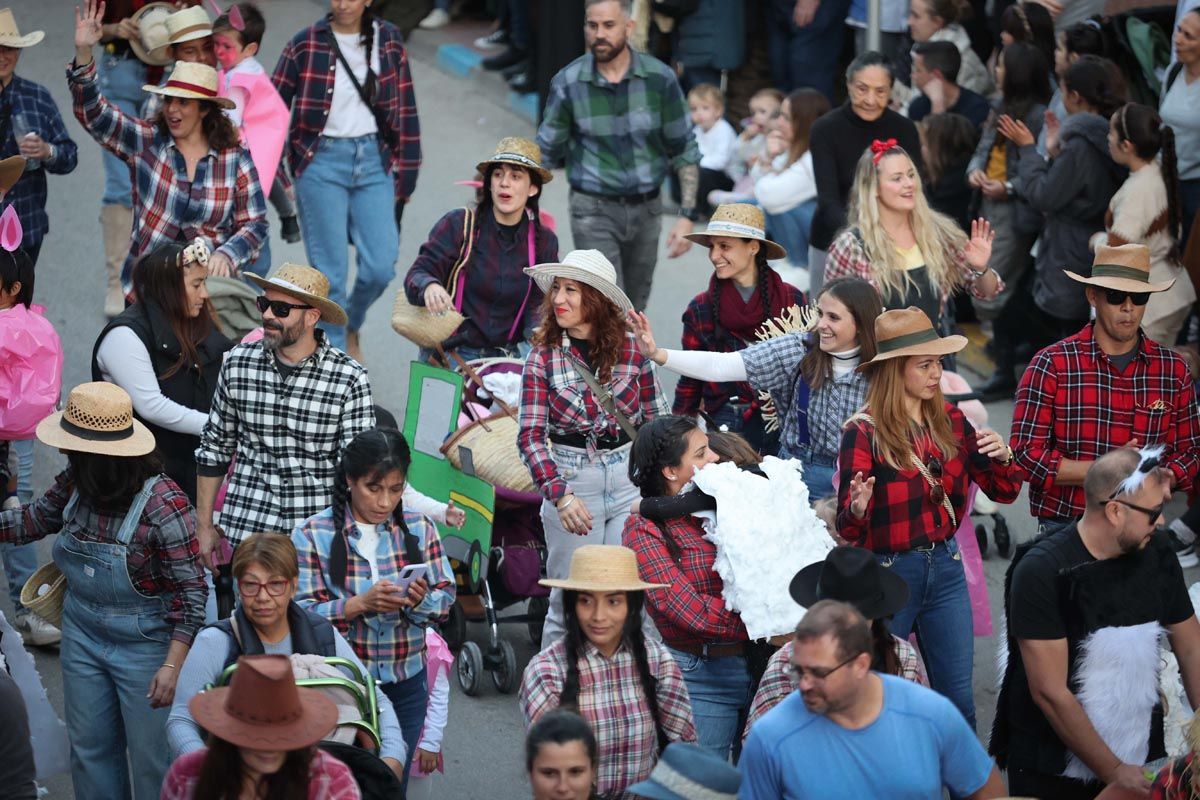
[937, 492]
[275, 587]
[1118, 298]
[817, 673]
[1152, 513]
[278, 307]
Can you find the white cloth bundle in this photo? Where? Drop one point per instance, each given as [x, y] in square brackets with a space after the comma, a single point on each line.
[504, 385]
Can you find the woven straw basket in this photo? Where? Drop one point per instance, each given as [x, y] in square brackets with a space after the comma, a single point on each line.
[421, 327]
[48, 606]
[494, 452]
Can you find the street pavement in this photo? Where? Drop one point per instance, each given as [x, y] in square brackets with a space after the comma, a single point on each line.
[461, 122]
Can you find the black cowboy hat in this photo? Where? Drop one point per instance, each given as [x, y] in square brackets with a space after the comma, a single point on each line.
[852, 575]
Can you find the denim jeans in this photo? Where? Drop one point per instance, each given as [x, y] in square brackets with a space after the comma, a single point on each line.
[720, 690]
[817, 474]
[410, 698]
[121, 81]
[754, 430]
[20, 560]
[939, 609]
[808, 56]
[345, 189]
[791, 229]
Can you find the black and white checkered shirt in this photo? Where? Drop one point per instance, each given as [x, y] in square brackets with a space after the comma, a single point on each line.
[287, 434]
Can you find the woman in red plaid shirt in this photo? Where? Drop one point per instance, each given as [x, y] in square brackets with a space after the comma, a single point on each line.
[906, 464]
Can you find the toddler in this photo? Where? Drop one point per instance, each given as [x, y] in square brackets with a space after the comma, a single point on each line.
[751, 147]
[717, 141]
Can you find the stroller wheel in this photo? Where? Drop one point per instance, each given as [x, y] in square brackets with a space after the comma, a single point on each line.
[454, 629]
[1002, 536]
[505, 676]
[536, 610]
[469, 666]
[981, 537]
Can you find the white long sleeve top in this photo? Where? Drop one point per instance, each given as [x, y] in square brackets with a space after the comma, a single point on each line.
[124, 360]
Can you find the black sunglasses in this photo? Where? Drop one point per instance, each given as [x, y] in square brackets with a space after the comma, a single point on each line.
[1152, 513]
[1116, 297]
[278, 307]
[937, 492]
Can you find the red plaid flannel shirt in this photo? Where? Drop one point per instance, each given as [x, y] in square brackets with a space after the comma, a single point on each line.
[1072, 403]
[692, 610]
[901, 514]
[304, 76]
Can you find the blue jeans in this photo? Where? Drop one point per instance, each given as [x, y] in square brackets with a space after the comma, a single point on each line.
[754, 430]
[806, 56]
[791, 229]
[720, 690]
[20, 560]
[346, 189]
[121, 81]
[817, 475]
[409, 697]
[939, 608]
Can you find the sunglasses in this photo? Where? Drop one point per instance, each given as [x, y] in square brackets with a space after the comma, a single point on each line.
[937, 492]
[278, 307]
[1118, 298]
[1152, 513]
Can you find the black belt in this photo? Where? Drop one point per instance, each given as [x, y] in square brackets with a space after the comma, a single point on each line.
[622, 199]
[580, 440]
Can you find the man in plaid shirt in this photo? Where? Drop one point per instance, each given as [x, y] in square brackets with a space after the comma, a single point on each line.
[617, 118]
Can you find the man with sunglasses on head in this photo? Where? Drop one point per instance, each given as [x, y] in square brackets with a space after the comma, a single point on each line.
[1105, 387]
[1086, 606]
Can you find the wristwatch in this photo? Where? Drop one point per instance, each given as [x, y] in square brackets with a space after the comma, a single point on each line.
[689, 213]
[1008, 188]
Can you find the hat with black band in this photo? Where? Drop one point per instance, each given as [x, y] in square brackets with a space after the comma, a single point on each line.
[905, 332]
[98, 419]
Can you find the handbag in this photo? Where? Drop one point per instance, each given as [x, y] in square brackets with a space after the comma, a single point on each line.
[417, 323]
[603, 395]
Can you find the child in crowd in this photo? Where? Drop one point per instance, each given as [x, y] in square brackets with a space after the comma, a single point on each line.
[717, 141]
[947, 144]
[752, 141]
[428, 759]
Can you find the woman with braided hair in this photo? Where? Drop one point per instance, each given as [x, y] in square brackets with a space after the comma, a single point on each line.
[351, 558]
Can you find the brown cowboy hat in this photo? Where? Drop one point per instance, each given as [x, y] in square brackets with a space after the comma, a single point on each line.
[740, 221]
[1125, 268]
[98, 419]
[263, 709]
[603, 568]
[519, 151]
[306, 284]
[904, 332]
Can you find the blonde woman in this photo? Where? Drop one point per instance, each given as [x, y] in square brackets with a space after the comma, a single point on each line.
[911, 254]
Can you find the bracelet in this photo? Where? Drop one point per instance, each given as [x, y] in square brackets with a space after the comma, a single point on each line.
[167, 666]
[566, 505]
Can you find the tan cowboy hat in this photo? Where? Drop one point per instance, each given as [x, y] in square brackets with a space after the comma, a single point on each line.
[519, 151]
[603, 568]
[307, 284]
[11, 170]
[740, 221]
[1125, 268]
[98, 419]
[585, 266]
[11, 37]
[153, 39]
[263, 709]
[904, 332]
[193, 81]
[188, 24]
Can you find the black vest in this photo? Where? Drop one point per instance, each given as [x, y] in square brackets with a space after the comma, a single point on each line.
[311, 633]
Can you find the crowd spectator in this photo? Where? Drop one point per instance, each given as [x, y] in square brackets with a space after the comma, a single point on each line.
[190, 40]
[804, 43]
[711, 41]
[939, 21]
[947, 144]
[751, 144]
[935, 68]
[716, 139]
[1089, 37]
[1030, 22]
[1180, 108]
[893, 27]
[516, 58]
[562, 759]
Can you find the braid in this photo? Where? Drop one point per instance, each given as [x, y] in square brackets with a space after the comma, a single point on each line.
[764, 285]
[714, 288]
[571, 640]
[339, 550]
[367, 34]
[636, 640]
[883, 656]
[1170, 174]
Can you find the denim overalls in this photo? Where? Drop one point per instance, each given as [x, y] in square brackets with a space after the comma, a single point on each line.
[114, 641]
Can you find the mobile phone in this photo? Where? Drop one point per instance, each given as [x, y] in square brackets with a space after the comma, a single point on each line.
[409, 574]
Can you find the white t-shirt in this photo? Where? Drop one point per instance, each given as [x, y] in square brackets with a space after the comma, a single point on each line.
[1181, 110]
[783, 190]
[368, 546]
[349, 116]
[717, 145]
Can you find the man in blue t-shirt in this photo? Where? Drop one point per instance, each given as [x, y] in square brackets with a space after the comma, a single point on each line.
[935, 68]
[853, 733]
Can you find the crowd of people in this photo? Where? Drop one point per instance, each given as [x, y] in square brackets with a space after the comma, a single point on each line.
[246, 587]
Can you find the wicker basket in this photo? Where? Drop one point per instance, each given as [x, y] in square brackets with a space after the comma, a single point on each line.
[493, 445]
[48, 606]
[418, 325]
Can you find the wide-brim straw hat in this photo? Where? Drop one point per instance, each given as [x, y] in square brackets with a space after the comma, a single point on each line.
[192, 81]
[1125, 268]
[584, 266]
[263, 709]
[98, 419]
[904, 332]
[851, 575]
[11, 170]
[306, 284]
[11, 36]
[154, 38]
[603, 568]
[519, 151]
[739, 221]
[188, 24]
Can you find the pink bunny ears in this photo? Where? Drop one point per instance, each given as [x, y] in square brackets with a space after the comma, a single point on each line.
[10, 230]
[235, 15]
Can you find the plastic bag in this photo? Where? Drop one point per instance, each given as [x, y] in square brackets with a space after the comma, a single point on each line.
[31, 364]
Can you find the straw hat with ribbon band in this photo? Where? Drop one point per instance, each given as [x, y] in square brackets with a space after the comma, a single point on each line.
[740, 221]
[905, 332]
[852, 575]
[1125, 268]
[263, 709]
[519, 151]
[154, 37]
[881, 147]
[584, 266]
[98, 419]
[188, 24]
[193, 82]
[11, 170]
[307, 285]
[10, 36]
[603, 568]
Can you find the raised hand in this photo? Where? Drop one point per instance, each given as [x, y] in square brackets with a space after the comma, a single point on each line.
[860, 494]
[1015, 131]
[979, 248]
[643, 334]
[89, 24]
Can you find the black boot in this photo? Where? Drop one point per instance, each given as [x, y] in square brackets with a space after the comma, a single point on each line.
[1002, 384]
[506, 59]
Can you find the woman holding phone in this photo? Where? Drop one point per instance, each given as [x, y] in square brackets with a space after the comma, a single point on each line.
[377, 572]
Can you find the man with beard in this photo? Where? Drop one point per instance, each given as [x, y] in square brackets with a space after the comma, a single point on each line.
[618, 120]
[1105, 387]
[1086, 608]
[283, 410]
[851, 733]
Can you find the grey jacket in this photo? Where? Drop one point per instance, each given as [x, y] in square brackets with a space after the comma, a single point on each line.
[1025, 219]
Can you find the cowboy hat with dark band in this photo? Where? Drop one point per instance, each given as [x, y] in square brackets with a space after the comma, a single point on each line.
[98, 419]
[308, 285]
[1125, 268]
[852, 575]
[905, 332]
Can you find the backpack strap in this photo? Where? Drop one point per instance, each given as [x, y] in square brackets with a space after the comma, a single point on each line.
[1172, 73]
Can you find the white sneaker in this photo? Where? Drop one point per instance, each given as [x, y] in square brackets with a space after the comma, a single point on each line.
[438, 18]
[494, 40]
[37, 631]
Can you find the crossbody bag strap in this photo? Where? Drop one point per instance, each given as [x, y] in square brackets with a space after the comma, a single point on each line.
[381, 122]
[531, 239]
[458, 283]
[607, 402]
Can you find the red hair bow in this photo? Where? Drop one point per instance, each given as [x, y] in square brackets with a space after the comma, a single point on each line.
[879, 147]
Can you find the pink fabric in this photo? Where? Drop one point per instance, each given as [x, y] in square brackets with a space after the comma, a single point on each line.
[973, 410]
[972, 561]
[265, 119]
[31, 363]
[438, 660]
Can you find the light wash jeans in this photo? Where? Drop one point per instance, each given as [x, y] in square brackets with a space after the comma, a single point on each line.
[817, 475]
[20, 560]
[121, 81]
[791, 229]
[720, 690]
[346, 190]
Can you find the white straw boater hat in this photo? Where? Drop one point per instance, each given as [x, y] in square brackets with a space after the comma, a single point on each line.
[192, 81]
[10, 36]
[585, 266]
[519, 151]
[741, 221]
[1125, 268]
[306, 284]
[98, 419]
[153, 39]
[603, 568]
[904, 332]
[188, 24]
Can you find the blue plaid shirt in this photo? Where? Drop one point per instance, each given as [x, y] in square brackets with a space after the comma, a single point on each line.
[33, 102]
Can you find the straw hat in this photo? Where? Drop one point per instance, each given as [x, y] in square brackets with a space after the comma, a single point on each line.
[740, 221]
[519, 151]
[11, 37]
[904, 332]
[11, 170]
[188, 24]
[153, 39]
[263, 709]
[603, 568]
[585, 266]
[98, 419]
[307, 284]
[1125, 268]
[193, 81]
